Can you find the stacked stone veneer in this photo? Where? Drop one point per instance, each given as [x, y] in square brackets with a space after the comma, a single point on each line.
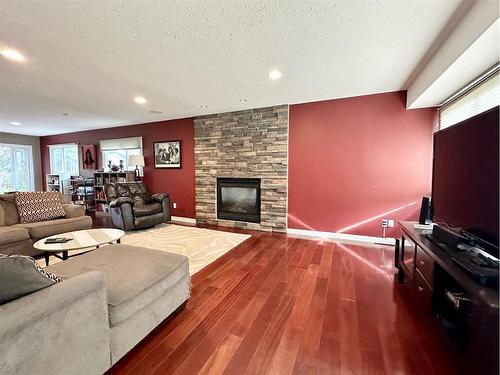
[251, 144]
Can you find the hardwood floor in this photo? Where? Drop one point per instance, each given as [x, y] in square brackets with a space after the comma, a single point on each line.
[283, 305]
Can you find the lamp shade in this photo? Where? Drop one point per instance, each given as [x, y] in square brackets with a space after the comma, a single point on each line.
[137, 160]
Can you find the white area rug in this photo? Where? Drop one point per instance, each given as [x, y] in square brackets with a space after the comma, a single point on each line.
[202, 246]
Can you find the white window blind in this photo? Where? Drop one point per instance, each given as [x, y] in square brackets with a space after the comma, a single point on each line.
[481, 98]
[132, 143]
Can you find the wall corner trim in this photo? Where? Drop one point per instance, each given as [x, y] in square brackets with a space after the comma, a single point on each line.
[341, 236]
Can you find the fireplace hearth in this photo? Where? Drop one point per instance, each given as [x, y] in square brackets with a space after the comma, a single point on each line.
[238, 199]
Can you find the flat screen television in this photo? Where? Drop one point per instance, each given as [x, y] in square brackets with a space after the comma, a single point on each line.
[465, 177]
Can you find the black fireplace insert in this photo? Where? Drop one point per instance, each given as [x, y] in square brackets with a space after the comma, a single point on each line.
[238, 199]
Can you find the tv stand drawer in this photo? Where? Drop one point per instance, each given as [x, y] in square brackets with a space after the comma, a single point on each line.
[423, 291]
[425, 265]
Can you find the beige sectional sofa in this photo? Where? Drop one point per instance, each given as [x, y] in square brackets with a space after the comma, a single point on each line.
[16, 238]
[108, 301]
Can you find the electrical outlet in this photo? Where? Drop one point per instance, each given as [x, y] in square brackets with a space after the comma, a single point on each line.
[174, 205]
[387, 223]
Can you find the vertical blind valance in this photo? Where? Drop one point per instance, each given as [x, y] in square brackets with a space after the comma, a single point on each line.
[121, 144]
[481, 98]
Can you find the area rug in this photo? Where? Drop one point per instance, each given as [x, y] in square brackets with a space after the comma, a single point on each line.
[202, 246]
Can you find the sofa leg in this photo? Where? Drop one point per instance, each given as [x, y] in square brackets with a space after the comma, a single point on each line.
[180, 308]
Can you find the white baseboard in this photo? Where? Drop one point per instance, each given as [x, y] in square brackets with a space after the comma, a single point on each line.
[184, 220]
[341, 236]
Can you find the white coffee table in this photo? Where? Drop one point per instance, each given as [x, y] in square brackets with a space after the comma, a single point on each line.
[89, 239]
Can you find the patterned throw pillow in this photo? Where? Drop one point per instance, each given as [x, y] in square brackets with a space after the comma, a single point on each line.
[38, 206]
[21, 275]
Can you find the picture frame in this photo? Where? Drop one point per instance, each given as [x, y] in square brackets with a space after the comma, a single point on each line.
[89, 157]
[167, 154]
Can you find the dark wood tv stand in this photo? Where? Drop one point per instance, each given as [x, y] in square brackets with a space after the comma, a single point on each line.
[441, 288]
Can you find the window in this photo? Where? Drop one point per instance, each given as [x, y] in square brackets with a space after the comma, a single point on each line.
[16, 168]
[64, 160]
[116, 155]
[115, 150]
[481, 97]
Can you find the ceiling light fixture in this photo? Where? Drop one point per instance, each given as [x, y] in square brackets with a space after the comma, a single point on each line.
[140, 100]
[15, 123]
[243, 100]
[275, 74]
[204, 106]
[156, 112]
[12, 54]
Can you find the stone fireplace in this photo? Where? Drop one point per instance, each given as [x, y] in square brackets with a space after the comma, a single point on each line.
[247, 145]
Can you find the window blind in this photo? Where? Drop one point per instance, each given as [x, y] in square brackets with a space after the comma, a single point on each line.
[121, 144]
[481, 98]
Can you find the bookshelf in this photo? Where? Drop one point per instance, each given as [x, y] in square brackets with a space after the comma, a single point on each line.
[52, 182]
[82, 191]
[100, 178]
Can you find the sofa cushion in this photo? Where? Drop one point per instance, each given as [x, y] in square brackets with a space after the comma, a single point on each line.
[48, 228]
[38, 206]
[12, 234]
[20, 275]
[8, 210]
[147, 209]
[135, 276]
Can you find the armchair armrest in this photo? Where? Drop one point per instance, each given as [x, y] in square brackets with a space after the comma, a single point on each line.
[73, 210]
[119, 201]
[159, 197]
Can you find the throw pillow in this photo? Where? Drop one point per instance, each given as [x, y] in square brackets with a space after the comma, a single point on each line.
[38, 206]
[21, 275]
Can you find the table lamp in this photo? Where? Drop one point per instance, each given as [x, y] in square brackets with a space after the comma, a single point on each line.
[138, 161]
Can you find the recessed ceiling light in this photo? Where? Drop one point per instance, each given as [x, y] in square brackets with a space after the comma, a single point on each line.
[140, 100]
[15, 123]
[65, 114]
[204, 106]
[274, 75]
[156, 112]
[12, 54]
[243, 100]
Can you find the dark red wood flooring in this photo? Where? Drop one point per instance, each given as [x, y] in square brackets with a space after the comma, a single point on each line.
[282, 305]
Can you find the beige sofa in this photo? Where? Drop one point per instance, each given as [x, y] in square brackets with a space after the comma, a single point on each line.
[110, 299]
[16, 238]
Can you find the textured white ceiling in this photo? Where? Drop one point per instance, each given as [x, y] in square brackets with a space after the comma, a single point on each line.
[90, 58]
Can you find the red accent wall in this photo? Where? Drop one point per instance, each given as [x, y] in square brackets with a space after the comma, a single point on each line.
[179, 183]
[351, 160]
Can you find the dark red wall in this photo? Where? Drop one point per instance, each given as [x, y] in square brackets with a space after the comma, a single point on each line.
[353, 159]
[350, 160]
[178, 182]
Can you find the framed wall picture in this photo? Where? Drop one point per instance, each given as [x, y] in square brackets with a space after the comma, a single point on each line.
[167, 154]
[89, 157]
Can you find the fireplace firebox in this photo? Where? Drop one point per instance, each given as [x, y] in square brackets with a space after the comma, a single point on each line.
[238, 199]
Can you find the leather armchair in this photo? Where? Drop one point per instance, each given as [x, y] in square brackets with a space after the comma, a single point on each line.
[133, 207]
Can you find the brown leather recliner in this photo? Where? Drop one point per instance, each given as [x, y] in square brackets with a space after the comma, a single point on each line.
[133, 207]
